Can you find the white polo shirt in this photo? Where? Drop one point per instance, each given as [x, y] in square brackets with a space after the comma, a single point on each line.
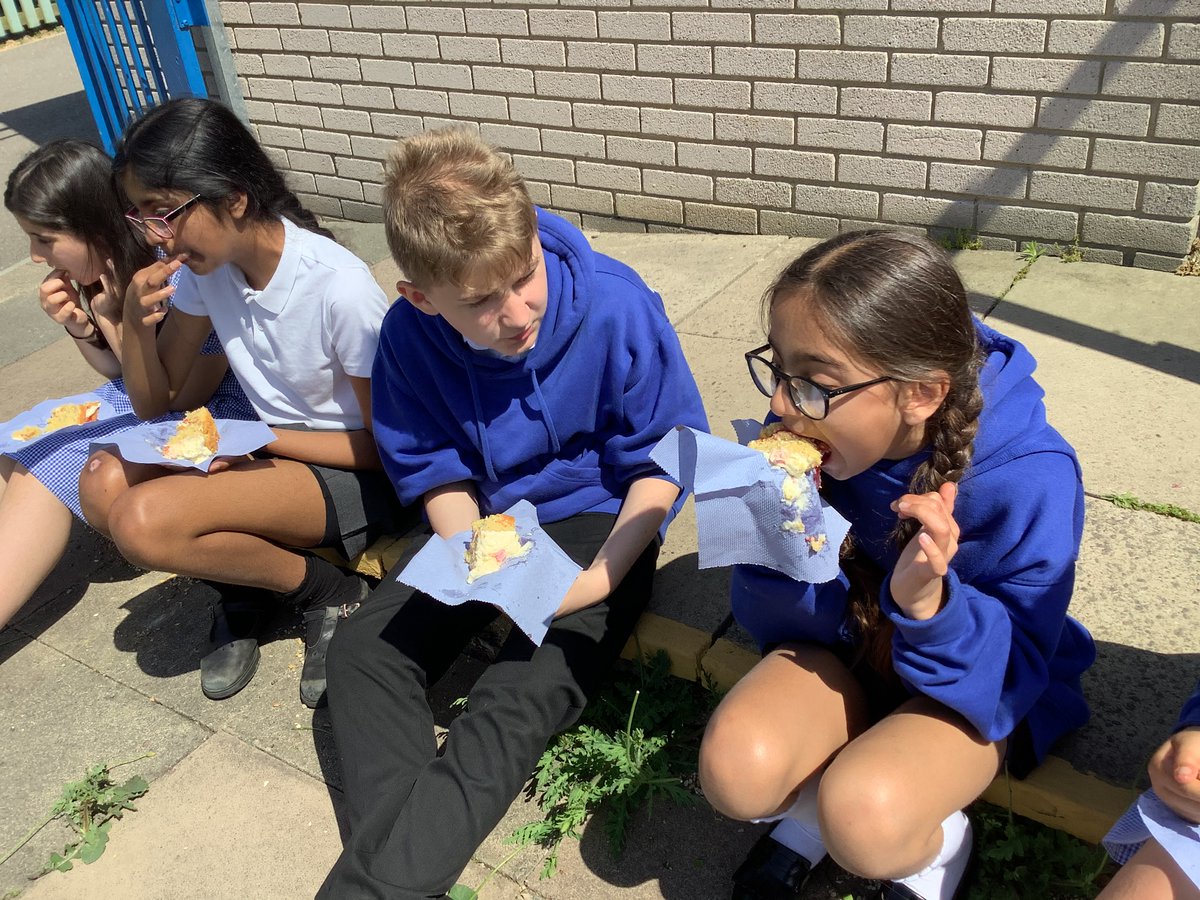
[293, 344]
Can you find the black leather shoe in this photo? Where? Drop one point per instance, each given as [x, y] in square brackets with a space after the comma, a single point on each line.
[319, 624]
[770, 871]
[233, 659]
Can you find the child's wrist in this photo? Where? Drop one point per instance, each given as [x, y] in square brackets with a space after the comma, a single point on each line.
[92, 336]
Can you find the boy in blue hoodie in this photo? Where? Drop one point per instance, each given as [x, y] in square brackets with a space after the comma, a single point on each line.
[524, 365]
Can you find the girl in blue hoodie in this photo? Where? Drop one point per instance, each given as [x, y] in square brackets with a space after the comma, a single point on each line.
[890, 697]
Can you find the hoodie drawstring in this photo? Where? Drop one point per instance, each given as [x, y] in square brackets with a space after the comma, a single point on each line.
[555, 444]
[484, 446]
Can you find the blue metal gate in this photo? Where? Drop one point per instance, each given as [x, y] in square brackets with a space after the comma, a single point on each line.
[133, 54]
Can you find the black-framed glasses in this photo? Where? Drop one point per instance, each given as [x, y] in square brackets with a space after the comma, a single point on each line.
[159, 226]
[810, 398]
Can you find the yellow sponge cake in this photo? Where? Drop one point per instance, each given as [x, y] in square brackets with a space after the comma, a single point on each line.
[494, 541]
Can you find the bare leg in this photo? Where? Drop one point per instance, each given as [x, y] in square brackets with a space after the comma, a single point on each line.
[34, 529]
[106, 477]
[884, 797]
[1150, 875]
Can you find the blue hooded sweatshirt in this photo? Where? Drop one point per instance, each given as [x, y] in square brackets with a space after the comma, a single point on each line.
[567, 426]
[1002, 649]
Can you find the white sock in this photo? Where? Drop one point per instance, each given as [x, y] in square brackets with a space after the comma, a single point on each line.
[798, 828]
[939, 879]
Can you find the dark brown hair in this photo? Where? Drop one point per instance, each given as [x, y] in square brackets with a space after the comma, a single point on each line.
[894, 302]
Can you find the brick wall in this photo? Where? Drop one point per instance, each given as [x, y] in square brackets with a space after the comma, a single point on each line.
[1048, 120]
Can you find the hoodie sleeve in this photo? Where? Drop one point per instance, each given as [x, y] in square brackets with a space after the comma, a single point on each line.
[987, 653]
[418, 453]
[659, 393]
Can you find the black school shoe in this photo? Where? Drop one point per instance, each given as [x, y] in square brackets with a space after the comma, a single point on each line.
[319, 624]
[770, 871]
[231, 663]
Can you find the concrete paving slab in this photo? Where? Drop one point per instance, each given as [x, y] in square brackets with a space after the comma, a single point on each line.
[228, 820]
[26, 328]
[1118, 350]
[56, 370]
[986, 274]
[60, 717]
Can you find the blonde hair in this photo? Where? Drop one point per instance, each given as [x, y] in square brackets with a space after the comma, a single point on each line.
[453, 207]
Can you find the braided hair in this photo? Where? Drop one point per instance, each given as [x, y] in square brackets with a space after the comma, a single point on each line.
[894, 302]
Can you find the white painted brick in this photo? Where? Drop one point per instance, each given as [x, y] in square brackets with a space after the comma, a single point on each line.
[1106, 38]
[678, 184]
[540, 112]
[1011, 110]
[650, 209]
[260, 110]
[322, 93]
[984, 181]
[388, 71]
[300, 182]
[469, 49]
[711, 27]
[761, 62]
[504, 80]
[754, 129]
[235, 13]
[1137, 233]
[1172, 201]
[886, 104]
[676, 60]
[481, 106]
[379, 18]
[573, 217]
[1028, 222]
[544, 168]
[1143, 158]
[573, 144]
[576, 85]
[1052, 7]
[1179, 122]
[346, 119]
[730, 219]
[374, 147]
[607, 118]
[584, 199]
[1059, 76]
[939, 69]
[326, 141]
[286, 65]
[797, 225]
[521, 52]
[432, 123]
[497, 21]
[355, 42]
[796, 164]
[712, 94]
[882, 171]
[1036, 149]
[714, 157]
[841, 65]
[751, 192]
[1153, 261]
[575, 23]
[1100, 116]
[607, 224]
[977, 35]
[837, 201]
[258, 39]
[898, 32]
[640, 150]
[697, 126]
[1154, 80]
[1181, 9]
[274, 13]
[368, 210]
[299, 114]
[842, 4]
[928, 211]
[343, 69]
[602, 56]
[440, 20]
[421, 101]
[941, 6]
[511, 137]
[636, 89]
[1083, 190]
[249, 64]
[363, 95]
[323, 15]
[279, 136]
[808, 99]
[270, 89]
[797, 31]
[411, 46]
[602, 175]
[933, 141]
[1185, 41]
[318, 163]
[345, 188]
[635, 26]
[839, 134]
[443, 75]
[322, 206]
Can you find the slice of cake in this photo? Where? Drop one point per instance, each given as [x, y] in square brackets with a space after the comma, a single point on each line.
[800, 459]
[494, 541]
[28, 433]
[69, 414]
[195, 437]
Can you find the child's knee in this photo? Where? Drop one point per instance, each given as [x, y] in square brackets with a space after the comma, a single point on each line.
[137, 526]
[866, 821]
[100, 483]
[742, 770]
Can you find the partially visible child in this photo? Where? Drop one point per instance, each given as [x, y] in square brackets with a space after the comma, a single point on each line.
[890, 697]
[298, 317]
[62, 197]
[521, 365]
[1151, 871]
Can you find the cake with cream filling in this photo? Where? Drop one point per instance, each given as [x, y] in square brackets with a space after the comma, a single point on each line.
[195, 437]
[62, 416]
[494, 542]
[800, 460]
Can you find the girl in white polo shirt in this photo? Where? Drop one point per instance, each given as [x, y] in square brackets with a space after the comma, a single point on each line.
[298, 317]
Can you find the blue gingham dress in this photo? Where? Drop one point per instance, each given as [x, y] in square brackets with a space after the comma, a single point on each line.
[57, 459]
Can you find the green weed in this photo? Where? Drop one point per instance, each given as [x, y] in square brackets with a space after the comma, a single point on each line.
[1033, 251]
[1129, 501]
[1072, 253]
[960, 239]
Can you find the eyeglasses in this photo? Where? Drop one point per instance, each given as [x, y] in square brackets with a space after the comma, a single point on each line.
[810, 398]
[159, 226]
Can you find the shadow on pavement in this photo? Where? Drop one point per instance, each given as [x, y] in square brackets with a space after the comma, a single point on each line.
[57, 117]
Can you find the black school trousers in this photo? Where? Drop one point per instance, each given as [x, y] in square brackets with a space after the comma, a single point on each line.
[416, 817]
